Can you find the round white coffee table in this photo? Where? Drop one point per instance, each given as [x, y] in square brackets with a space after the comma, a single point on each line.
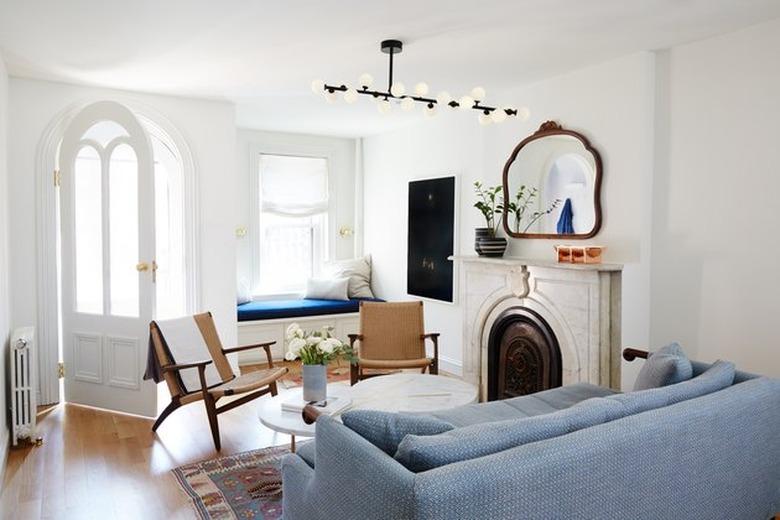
[404, 392]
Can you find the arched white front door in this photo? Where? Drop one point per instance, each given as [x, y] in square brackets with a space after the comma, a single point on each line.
[108, 265]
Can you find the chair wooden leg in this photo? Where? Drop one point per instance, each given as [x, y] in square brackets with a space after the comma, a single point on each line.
[173, 405]
[434, 368]
[353, 374]
[273, 388]
[211, 411]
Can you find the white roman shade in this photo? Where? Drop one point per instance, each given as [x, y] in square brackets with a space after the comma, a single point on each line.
[293, 186]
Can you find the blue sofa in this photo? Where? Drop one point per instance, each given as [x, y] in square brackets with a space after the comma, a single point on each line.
[704, 448]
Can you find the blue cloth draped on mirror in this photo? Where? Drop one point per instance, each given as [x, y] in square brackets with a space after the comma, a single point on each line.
[565, 222]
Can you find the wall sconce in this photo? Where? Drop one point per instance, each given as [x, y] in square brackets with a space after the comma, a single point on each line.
[346, 232]
[240, 232]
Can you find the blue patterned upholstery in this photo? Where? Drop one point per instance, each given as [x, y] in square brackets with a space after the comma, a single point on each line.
[385, 430]
[421, 453]
[667, 366]
[717, 377]
[709, 456]
[539, 403]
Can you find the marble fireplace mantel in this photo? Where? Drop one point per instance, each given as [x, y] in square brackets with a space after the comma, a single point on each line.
[580, 302]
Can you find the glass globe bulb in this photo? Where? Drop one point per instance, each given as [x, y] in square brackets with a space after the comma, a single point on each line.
[331, 97]
[478, 93]
[421, 89]
[485, 119]
[523, 113]
[498, 115]
[384, 107]
[366, 80]
[317, 86]
[350, 95]
[443, 98]
[429, 111]
[466, 102]
[407, 104]
[398, 89]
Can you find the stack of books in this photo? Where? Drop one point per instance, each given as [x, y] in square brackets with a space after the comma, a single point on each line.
[329, 406]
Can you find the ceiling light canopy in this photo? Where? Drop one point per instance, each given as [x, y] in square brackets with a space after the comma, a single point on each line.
[407, 100]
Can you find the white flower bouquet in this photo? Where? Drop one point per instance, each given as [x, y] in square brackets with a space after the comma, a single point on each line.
[315, 347]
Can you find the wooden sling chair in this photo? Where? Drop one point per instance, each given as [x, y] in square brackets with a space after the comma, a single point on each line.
[254, 384]
[392, 337]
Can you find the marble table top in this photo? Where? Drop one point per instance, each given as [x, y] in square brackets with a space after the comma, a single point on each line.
[404, 392]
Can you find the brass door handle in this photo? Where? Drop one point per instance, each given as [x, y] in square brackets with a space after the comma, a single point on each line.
[141, 266]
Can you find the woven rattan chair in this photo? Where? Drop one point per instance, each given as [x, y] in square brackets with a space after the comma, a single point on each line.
[254, 384]
[392, 337]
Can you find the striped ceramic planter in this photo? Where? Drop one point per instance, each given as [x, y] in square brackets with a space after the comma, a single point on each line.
[481, 232]
[487, 244]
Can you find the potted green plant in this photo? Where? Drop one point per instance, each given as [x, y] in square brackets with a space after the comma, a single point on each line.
[315, 349]
[519, 208]
[486, 241]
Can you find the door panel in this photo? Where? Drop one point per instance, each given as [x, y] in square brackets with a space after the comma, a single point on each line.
[107, 250]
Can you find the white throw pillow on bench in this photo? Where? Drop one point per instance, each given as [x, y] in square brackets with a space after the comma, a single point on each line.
[327, 288]
[358, 270]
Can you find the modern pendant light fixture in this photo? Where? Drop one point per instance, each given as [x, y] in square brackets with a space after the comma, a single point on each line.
[396, 94]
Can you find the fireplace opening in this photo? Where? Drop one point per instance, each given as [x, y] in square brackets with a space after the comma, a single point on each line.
[523, 355]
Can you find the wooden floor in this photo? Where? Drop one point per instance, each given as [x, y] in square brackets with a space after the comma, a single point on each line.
[100, 465]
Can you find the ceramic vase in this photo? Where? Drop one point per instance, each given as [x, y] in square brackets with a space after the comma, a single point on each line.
[315, 382]
[481, 232]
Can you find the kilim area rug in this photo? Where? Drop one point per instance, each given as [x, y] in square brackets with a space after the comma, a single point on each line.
[243, 486]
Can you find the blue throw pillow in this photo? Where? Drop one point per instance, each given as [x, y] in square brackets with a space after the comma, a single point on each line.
[418, 453]
[664, 367]
[385, 430]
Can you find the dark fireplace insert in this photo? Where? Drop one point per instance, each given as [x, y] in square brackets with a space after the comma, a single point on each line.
[523, 355]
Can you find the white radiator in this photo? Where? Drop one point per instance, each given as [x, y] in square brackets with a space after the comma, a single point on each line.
[23, 384]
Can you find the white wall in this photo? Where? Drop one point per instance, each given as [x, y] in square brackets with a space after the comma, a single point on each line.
[612, 104]
[4, 294]
[209, 129]
[716, 220]
[342, 181]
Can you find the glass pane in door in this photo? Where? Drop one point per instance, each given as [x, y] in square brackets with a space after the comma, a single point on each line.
[88, 231]
[123, 231]
[170, 289]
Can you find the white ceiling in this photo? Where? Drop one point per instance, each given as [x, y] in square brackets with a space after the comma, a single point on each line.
[263, 54]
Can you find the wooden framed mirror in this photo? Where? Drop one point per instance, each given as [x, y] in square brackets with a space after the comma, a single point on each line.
[552, 186]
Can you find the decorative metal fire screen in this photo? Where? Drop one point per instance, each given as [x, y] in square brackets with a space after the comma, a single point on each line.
[523, 355]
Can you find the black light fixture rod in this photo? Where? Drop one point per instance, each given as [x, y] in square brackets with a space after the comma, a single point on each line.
[428, 101]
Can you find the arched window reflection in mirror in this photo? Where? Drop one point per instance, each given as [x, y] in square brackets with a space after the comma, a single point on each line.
[551, 186]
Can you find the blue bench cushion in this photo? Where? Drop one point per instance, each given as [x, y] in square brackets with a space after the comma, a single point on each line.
[547, 401]
[296, 308]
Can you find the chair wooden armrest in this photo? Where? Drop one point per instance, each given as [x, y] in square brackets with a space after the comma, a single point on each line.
[176, 368]
[434, 337]
[266, 346]
[630, 354]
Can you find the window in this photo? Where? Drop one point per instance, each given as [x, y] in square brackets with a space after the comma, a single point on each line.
[293, 195]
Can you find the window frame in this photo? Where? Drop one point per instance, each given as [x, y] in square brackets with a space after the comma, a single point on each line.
[294, 150]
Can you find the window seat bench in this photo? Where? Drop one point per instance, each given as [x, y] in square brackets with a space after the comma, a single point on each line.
[267, 320]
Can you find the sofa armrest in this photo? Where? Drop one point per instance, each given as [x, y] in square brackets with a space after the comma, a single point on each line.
[345, 484]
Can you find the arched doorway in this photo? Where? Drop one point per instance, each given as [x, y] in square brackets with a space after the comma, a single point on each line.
[124, 223]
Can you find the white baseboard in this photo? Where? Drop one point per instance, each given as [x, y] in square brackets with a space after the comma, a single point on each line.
[451, 366]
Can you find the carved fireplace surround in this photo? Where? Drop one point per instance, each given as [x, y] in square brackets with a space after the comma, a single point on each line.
[579, 304]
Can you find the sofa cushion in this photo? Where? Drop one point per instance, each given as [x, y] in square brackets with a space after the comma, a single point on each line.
[667, 366]
[421, 453]
[307, 451]
[385, 430]
[719, 376]
[547, 401]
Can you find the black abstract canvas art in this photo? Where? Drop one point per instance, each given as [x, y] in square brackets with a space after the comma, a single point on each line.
[431, 238]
